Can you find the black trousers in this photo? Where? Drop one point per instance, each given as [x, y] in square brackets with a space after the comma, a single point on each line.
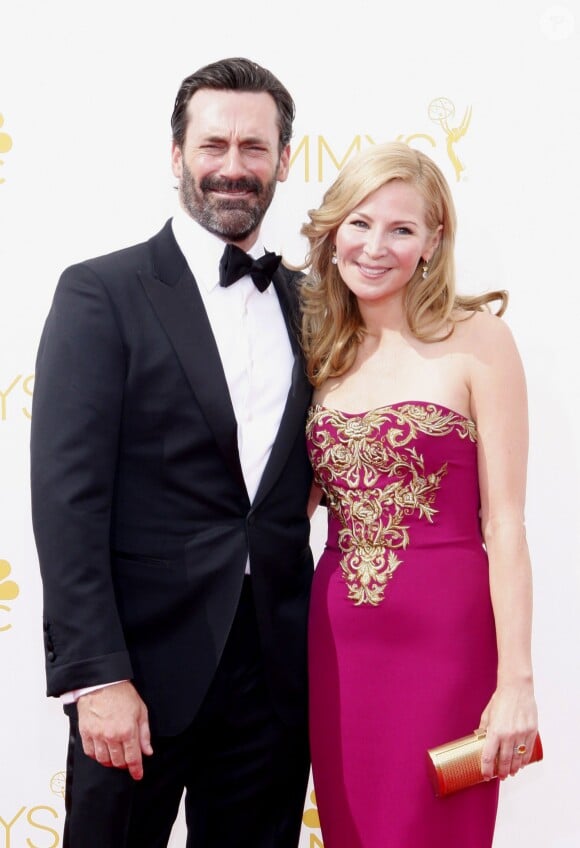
[244, 771]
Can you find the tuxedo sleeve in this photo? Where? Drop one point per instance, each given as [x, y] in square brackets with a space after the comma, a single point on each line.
[76, 418]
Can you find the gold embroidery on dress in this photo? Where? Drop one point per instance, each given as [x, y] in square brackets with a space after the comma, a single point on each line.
[373, 518]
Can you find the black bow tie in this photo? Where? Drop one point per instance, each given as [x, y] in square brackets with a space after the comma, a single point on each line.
[235, 263]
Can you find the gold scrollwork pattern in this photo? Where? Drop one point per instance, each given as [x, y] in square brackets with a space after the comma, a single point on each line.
[350, 454]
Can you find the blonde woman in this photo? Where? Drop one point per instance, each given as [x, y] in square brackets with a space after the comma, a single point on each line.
[420, 618]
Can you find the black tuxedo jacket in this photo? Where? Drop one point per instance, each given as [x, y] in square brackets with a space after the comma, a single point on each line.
[140, 512]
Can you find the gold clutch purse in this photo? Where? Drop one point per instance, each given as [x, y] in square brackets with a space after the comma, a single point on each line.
[457, 765]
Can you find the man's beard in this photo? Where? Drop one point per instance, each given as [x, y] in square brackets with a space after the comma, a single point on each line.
[232, 219]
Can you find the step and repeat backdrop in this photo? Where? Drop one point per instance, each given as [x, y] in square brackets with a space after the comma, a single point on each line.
[489, 90]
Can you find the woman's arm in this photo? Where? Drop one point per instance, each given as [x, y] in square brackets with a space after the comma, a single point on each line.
[499, 405]
[314, 499]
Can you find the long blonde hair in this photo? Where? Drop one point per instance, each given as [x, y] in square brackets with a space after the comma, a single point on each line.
[332, 326]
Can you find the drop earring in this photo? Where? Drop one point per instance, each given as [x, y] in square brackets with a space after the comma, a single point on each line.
[334, 259]
[425, 273]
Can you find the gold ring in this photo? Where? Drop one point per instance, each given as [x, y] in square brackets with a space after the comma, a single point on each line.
[521, 750]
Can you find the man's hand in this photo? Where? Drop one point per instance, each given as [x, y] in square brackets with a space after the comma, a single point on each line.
[114, 727]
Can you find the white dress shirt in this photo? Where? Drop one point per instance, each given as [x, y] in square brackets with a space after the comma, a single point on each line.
[252, 340]
[253, 344]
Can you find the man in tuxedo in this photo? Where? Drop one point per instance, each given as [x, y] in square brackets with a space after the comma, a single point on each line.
[169, 488]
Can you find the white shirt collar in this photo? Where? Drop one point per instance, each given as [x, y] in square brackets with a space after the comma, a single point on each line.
[202, 249]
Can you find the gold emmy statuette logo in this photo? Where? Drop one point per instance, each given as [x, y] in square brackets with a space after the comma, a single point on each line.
[312, 821]
[5, 144]
[58, 783]
[441, 111]
[318, 153]
[8, 589]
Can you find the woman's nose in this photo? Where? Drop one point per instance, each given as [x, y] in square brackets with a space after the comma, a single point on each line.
[375, 245]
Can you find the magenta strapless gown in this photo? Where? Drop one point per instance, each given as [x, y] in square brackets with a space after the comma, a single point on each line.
[402, 649]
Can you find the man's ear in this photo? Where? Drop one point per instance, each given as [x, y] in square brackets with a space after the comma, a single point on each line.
[176, 160]
[284, 165]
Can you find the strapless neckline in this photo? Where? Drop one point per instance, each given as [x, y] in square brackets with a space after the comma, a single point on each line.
[394, 406]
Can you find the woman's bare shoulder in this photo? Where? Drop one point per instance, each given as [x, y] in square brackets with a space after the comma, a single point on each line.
[482, 331]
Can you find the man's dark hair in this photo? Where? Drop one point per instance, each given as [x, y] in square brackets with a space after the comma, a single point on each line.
[234, 75]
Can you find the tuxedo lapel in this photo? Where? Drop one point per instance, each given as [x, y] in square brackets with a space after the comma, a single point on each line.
[294, 417]
[174, 296]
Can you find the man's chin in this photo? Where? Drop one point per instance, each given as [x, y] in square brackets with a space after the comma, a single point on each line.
[232, 225]
[232, 220]
[233, 235]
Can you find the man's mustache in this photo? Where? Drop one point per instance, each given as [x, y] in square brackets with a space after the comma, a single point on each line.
[223, 184]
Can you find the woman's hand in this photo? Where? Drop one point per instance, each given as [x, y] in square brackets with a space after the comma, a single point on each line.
[511, 722]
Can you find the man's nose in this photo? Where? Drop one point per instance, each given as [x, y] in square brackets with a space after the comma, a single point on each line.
[233, 163]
